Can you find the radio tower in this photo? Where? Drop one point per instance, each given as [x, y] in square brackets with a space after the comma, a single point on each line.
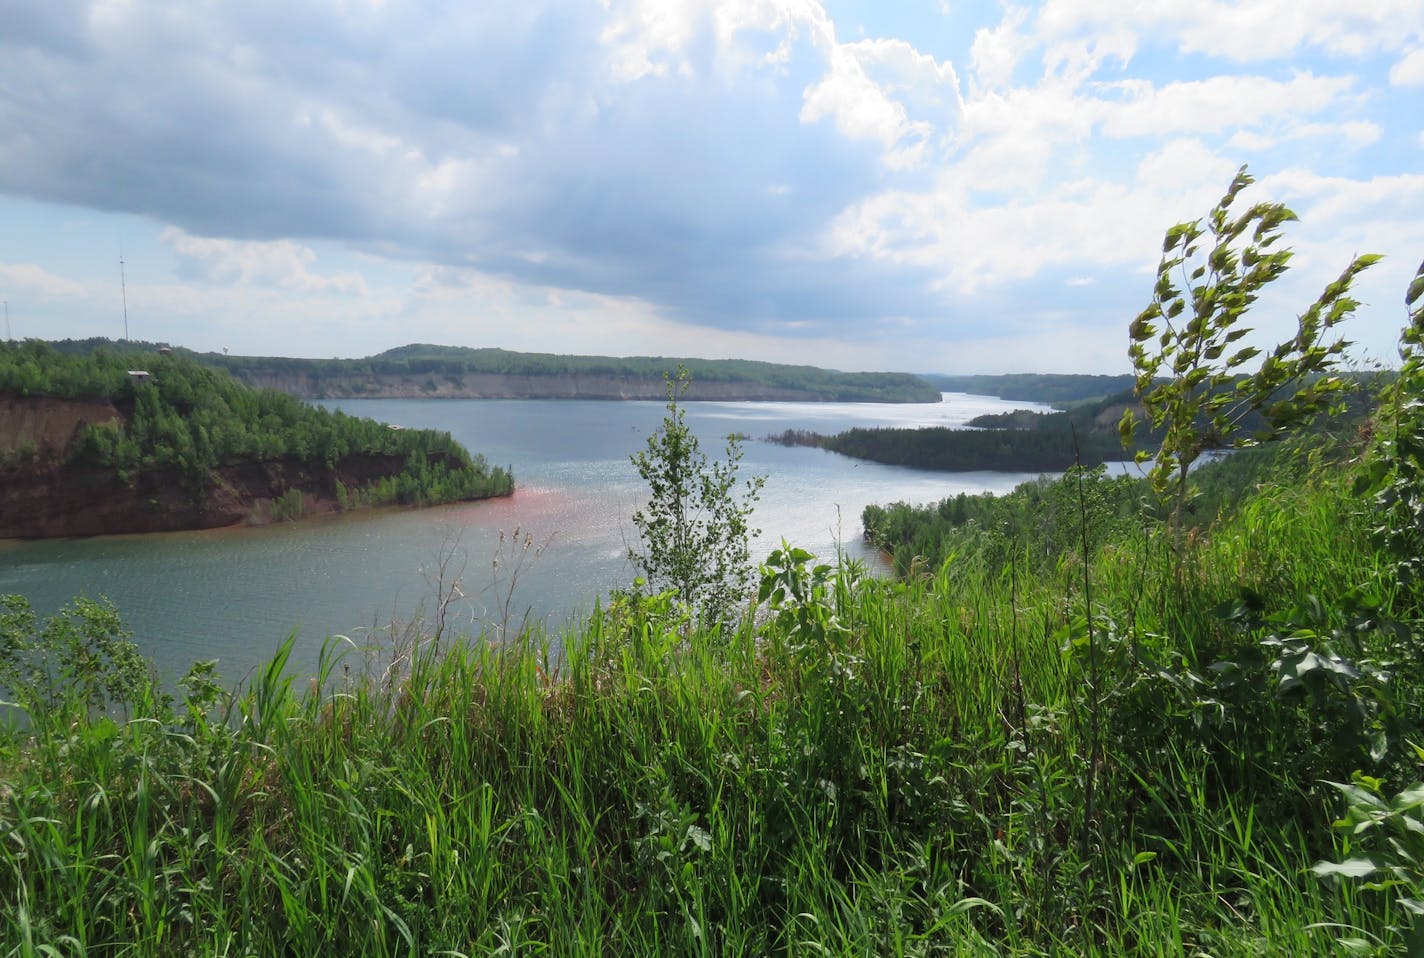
[124, 289]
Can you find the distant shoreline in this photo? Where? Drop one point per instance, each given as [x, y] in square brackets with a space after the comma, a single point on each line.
[312, 384]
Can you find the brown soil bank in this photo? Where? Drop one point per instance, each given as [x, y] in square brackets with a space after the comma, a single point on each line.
[42, 495]
[49, 425]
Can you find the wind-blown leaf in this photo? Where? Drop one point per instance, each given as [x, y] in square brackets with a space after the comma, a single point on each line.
[1350, 868]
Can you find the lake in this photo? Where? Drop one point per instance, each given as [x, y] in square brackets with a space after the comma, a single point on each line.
[234, 594]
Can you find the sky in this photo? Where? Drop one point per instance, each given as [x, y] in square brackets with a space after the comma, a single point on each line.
[924, 186]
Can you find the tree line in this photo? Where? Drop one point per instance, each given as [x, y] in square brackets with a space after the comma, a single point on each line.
[456, 362]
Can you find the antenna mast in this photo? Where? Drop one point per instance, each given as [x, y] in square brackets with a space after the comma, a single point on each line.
[8, 337]
[124, 288]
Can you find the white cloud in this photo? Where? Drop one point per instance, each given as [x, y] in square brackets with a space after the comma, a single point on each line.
[1079, 59]
[656, 38]
[36, 280]
[647, 39]
[1245, 30]
[1089, 221]
[859, 92]
[997, 51]
[1409, 71]
[1216, 104]
[280, 263]
[1186, 168]
[1352, 133]
[1009, 142]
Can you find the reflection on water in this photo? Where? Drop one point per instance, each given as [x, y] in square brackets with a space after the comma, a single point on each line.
[234, 594]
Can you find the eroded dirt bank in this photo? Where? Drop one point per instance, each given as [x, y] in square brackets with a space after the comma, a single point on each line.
[43, 495]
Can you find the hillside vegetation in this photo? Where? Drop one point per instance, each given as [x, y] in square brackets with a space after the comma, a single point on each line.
[187, 445]
[1051, 388]
[1086, 434]
[421, 370]
[1017, 441]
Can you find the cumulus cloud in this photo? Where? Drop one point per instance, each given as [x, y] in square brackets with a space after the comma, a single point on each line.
[1246, 30]
[865, 93]
[1409, 71]
[35, 280]
[280, 263]
[1216, 104]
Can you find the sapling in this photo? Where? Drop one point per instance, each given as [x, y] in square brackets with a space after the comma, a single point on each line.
[694, 530]
[1194, 377]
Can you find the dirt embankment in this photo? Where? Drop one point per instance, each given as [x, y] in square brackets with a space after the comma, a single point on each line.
[49, 425]
[500, 386]
[42, 495]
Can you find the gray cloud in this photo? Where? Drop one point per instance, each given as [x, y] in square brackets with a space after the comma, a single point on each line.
[699, 193]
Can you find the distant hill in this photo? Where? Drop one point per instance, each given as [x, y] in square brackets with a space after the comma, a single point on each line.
[421, 370]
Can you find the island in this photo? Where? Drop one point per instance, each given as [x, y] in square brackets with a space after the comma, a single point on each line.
[105, 441]
[1018, 441]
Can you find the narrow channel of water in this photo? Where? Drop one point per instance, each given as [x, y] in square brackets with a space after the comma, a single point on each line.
[234, 594]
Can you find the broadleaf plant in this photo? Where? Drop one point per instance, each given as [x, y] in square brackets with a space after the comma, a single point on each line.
[1194, 374]
[1394, 479]
[694, 532]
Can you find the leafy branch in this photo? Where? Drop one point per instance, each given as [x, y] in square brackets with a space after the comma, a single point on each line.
[1186, 347]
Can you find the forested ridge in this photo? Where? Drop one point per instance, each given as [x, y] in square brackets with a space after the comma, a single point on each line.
[1051, 388]
[179, 420]
[442, 370]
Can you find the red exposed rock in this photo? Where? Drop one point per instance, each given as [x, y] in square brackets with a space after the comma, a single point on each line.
[43, 495]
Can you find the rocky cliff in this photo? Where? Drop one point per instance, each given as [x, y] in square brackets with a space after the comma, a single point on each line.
[42, 497]
[42, 494]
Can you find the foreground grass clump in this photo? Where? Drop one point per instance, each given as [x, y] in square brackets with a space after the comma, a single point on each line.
[972, 760]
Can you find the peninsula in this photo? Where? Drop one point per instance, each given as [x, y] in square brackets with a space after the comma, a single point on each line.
[109, 442]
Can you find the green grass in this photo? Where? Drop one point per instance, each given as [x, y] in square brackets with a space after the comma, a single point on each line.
[911, 767]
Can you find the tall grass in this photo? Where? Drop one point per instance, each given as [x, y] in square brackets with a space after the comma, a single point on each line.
[865, 767]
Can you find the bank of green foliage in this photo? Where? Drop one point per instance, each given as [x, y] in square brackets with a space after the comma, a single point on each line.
[1081, 737]
[1037, 523]
[188, 418]
[1052, 447]
[1044, 518]
[456, 362]
[1023, 440]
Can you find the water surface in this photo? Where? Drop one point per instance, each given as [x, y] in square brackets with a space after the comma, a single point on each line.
[234, 594]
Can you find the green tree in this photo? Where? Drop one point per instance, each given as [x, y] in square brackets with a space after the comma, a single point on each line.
[1185, 345]
[1394, 477]
[693, 532]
